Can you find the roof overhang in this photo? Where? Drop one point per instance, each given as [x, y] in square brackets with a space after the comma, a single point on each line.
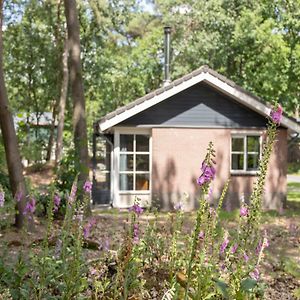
[204, 74]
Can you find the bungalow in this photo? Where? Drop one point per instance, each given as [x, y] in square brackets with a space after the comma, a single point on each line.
[153, 147]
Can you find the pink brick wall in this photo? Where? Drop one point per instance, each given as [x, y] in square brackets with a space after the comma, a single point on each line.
[177, 154]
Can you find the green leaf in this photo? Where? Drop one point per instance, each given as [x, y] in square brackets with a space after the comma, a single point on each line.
[248, 284]
[222, 288]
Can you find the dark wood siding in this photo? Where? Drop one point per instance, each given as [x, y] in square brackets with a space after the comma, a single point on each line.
[200, 105]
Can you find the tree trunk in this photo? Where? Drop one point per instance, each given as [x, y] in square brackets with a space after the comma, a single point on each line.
[79, 118]
[15, 169]
[62, 103]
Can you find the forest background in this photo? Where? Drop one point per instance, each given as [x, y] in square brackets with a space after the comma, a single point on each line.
[254, 43]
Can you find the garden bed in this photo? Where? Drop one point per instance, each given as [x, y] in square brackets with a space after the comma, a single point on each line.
[280, 268]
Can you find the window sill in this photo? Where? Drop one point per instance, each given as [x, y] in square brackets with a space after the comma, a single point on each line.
[134, 192]
[243, 173]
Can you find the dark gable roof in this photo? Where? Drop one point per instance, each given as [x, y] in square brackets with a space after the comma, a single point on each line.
[179, 82]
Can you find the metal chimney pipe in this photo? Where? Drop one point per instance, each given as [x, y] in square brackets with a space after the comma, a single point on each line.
[167, 31]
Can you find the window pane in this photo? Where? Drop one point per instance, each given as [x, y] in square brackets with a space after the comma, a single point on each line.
[142, 162]
[126, 142]
[238, 144]
[126, 162]
[237, 162]
[252, 162]
[126, 182]
[142, 182]
[142, 143]
[253, 144]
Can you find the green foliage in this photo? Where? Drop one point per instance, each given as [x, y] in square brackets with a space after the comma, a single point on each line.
[256, 44]
[66, 172]
[294, 168]
[291, 266]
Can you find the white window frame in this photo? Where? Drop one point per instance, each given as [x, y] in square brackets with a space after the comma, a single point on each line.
[116, 171]
[243, 135]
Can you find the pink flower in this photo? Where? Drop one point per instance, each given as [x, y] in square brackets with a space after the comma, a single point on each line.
[234, 248]
[246, 257]
[208, 174]
[255, 274]
[87, 186]
[276, 115]
[224, 245]
[136, 209]
[266, 243]
[244, 211]
[201, 235]
[135, 233]
[87, 228]
[73, 193]
[56, 201]
[262, 245]
[30, 207]
[259, 248]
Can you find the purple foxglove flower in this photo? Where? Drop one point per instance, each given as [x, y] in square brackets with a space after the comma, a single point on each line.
[208, 174]
[56, 201]
[224, 245]
[255, 274]
[30, 207]
[259, 248]
[246, 257]
[234, 248]
[136, 209]
[276, 115]
[266, 243]
[201, 235]
[73, 193]
[135, 233]
[86, 231]
[87, 186]
[222, 267]
[201, 180]
[244, 211]
[2, 198]
[87, 228]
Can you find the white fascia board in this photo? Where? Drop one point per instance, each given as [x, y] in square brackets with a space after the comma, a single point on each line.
[153, 101]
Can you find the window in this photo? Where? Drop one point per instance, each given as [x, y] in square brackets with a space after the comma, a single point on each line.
[245, 152]
[134, 174]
